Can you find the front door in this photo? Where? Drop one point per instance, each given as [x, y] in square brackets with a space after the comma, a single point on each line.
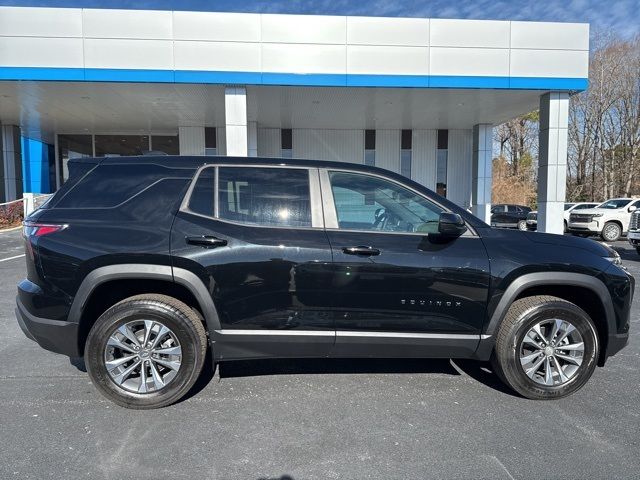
[400, 288]
[255, 241]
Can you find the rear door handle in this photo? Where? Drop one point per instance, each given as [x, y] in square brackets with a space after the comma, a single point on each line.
[361, 250]
[207, 241]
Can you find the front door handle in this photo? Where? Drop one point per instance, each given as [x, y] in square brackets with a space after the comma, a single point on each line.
[361, 250]
[208, 241]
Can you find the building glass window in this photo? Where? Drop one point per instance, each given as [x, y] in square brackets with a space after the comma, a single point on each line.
[210, 141]
[370, 203]
[286, 142]
[165, 144]
[405, 153]
[72, 146]
[370, 147]
[265, 196]
[121, 145]
[441, 162]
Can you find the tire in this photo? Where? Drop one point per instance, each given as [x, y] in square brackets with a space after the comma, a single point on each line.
[522, 225]
[566, 227]
[513, 347]
[638, 250]
[611, 232]
[186, 340]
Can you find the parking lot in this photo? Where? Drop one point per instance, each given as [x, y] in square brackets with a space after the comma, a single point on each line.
[313, 419]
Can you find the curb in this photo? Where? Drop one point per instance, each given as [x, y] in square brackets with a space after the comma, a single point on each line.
[12, 229]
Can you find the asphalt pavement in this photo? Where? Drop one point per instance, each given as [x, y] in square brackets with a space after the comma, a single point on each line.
[319, 419]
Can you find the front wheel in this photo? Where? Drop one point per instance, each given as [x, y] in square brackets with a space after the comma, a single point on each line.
[611, 232]
[522, 225]
[638, 250]
[546, 348]
[146, 351]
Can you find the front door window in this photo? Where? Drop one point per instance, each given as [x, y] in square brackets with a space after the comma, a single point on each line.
[364, 202]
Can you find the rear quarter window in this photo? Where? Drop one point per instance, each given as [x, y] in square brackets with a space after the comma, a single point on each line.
[110, 185]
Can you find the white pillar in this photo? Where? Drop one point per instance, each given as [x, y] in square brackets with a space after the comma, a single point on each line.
[552, 161]
[235, 104]
[253, 139]
[28, 203]
[191, 140]
[482, 174]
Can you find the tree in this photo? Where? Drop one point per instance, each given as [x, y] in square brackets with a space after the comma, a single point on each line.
[604, 124]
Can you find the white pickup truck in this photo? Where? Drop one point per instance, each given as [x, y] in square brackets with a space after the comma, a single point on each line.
[610, 219]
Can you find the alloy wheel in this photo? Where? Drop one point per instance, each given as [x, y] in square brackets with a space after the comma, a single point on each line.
[142, 356]
[551, 352]
[611, 232]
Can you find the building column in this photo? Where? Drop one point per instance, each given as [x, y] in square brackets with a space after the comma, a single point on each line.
[552, 161]
[235, 104]
[481, 171]
[253, 139]
[10, 145]
[191, 140]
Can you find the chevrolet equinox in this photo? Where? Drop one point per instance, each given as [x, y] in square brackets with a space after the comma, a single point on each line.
[141, 265]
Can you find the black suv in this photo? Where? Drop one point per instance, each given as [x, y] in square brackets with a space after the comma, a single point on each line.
[510, 216]
[142, 264]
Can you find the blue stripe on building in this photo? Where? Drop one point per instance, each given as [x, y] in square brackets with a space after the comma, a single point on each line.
[293, 79]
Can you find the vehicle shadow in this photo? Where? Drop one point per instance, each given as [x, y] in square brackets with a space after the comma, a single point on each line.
[483, 373]
[480, 371]
[250, 368]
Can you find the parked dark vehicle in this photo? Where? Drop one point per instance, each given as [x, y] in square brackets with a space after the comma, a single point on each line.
[509, 216]
[142, 265]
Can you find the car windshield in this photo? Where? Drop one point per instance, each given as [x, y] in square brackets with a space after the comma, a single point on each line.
[567, 206]
[613, 204]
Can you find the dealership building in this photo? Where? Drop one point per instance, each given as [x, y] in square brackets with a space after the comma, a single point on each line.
[416, 96]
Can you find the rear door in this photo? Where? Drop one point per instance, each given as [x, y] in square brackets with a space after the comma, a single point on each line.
[254, 236]
[399, 288]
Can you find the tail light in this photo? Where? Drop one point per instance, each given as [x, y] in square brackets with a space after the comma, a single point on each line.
[35, 229]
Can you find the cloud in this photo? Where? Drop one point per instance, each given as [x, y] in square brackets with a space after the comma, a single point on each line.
[618, 16]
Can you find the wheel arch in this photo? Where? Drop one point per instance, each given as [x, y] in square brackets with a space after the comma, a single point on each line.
[564, 285]
[107, 285]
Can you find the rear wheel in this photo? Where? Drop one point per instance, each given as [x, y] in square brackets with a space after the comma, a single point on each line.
[146, 351]
[546, 348]
[611, 232]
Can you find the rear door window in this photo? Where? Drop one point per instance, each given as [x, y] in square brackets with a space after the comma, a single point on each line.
[254, 196]
[265, 196]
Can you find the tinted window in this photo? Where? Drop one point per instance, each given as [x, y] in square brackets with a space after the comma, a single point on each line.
[364, 202]
[203, 196]
[512, 208]
[613, 204]
[110, 185]
[265, 196]
[567, 206]
[585, 205]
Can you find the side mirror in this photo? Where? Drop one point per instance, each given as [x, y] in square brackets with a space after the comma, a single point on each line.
[632, 209]
[451, 225]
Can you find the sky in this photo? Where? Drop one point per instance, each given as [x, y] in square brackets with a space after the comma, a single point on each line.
[620, 17]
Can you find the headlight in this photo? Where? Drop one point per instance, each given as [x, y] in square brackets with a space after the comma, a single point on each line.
[615, 260]
[614, 257]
